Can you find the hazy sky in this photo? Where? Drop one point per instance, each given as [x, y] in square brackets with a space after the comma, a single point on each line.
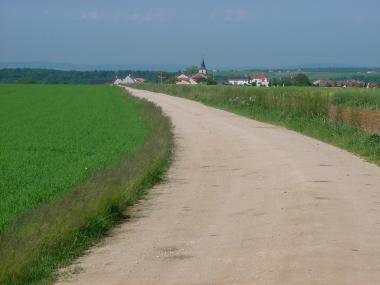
[234, 33]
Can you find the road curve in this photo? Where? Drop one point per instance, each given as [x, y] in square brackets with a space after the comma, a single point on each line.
[245, 203]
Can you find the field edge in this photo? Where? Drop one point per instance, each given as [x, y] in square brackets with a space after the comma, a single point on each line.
[51, 236]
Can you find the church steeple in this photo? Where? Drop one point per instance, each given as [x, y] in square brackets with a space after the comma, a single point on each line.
[203, 68]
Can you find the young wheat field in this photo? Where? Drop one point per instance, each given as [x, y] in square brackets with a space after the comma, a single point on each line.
[54, 137]
[72, 158]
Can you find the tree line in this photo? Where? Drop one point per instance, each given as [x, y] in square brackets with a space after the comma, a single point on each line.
[53, 76]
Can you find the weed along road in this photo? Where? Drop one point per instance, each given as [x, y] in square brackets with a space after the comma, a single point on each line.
[245, 203]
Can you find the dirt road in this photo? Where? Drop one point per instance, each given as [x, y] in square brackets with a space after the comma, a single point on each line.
[246, 203]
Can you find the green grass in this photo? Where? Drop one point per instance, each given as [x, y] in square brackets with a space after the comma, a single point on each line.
[357, 98]
[343, 74]
[72, 158]
[54, 137]
[303, 109]
[350, 97]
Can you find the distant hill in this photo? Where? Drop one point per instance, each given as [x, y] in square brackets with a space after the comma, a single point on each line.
[43, 75]
[173, 67]
[92, 67]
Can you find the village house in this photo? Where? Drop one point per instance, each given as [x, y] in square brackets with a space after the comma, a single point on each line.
[259, 80]
[371, 85]
[324, 83]
[239, 81]
[118, 81]
[184, 79]
[340, 83]
[139, 80]
[351, 83]
[129, 80]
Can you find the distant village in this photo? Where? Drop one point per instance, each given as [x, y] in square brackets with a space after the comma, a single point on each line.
[258, 80]
[344, 83]
[202, 77]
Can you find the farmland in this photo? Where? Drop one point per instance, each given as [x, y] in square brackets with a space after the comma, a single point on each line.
[303, 109]
[71, 158]
[54, 137]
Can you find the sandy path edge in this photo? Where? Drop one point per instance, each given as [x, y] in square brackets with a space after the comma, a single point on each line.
[245, 203]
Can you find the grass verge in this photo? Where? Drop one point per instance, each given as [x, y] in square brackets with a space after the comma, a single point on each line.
[51, 235]
[305, 110]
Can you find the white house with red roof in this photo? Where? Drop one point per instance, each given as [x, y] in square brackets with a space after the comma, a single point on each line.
[184, 79]
[261, 80]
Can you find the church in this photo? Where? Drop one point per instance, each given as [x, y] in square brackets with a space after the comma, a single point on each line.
[202, 73]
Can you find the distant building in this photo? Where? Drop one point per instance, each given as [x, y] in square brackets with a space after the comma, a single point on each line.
[360, 83]
[129, 80]
[184, 79]
[239, 81]
[139, 80]
[259, 80]
[353, 83]
[324, 83]
[202, 73]
[340, 83]
[118, 81]
[371, 85]
[203, 69]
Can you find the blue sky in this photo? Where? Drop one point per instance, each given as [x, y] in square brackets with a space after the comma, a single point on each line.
[238, 33]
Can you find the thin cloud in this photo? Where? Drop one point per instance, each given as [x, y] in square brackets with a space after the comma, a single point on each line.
[153, 15]
[92, 15]
[229, 15]
[238, 14]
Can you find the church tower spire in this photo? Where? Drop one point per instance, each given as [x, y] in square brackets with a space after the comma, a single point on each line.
[203, 68]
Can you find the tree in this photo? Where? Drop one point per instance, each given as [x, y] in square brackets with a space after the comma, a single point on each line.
[170, 80]
[191, 70]
[301, 79]
[285, 82]
[211, 82]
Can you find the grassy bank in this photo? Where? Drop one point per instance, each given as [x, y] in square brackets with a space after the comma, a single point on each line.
[106, 147]
[306, 110]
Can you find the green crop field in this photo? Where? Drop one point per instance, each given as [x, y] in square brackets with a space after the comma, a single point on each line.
[72, 157]
[54, 137]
